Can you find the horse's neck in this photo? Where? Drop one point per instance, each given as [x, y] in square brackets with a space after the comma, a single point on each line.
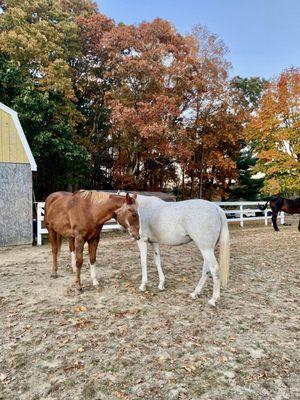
[150, 202]
[105, 211]
[149, 208]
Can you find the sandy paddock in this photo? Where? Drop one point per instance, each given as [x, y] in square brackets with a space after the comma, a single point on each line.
[117, 343]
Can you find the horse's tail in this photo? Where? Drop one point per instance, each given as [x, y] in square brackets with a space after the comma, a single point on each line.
[224, 250]
[262, 208]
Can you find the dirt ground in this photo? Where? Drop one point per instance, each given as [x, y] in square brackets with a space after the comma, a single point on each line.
[118, 343]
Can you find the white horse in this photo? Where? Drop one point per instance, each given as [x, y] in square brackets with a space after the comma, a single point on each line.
[178, 223]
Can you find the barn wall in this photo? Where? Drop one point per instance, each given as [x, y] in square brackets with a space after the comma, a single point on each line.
[15, 204]
[11, 147]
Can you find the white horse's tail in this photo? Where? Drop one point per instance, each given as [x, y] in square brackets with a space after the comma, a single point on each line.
[224, 250]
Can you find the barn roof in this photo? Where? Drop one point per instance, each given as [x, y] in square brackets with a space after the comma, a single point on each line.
[15, 118]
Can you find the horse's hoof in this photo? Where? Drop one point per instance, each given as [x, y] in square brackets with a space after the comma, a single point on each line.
[212, 302]
[142, 287]
[80, 290]
[161, 287]
[54, 275]
[95, 283]
[194, 295]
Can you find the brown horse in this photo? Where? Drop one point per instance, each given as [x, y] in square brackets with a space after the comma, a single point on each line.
[80, 217]
[281, 204]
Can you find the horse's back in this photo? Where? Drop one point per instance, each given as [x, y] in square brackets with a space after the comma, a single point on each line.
[172, 223]
[200, 218]
[55, 196]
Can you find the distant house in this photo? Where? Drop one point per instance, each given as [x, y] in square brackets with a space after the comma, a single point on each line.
[16, 166]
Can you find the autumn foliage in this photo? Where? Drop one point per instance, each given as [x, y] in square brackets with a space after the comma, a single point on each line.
[162, 88]
[274, 131]
[108, 105]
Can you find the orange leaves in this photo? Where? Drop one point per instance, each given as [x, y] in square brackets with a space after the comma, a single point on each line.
[80, 309]
[189, 368]
[75, 365]
[159, 75]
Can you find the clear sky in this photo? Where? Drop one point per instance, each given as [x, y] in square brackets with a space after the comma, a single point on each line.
[263, 36]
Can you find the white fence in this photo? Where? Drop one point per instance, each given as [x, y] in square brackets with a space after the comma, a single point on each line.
[236, 211]
[241, 211]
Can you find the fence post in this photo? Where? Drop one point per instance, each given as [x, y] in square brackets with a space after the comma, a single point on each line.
[266, 217]
[281, 217]
[241, 215]
[39, 225]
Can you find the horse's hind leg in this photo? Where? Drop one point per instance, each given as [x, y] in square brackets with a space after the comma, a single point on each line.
[299, 226]
[209, 265]
[205, 272]
[53, 237]
[72, 251]
[214, 270]
[274, 220]
[93, 244]
[79, 244]
[161, 285]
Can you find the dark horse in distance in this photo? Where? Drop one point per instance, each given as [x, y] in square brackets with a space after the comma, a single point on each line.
[281, 204]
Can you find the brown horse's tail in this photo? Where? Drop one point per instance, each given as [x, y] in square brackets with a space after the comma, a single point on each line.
[262, 208]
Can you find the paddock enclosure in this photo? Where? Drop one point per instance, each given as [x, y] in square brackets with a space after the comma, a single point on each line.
[118, 343]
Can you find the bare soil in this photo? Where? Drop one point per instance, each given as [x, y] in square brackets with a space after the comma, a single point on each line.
[115, 342]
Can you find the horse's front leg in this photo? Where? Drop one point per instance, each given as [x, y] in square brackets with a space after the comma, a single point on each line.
[93, 244]
[143, 252]
[79, 244]
[54, 248]
[161, 285]
[72, 251]
[299, 226]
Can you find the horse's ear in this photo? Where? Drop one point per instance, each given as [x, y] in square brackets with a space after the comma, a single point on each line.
[135, 199]
[128, 199]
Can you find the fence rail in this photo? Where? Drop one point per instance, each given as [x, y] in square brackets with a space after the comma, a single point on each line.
[240, 211]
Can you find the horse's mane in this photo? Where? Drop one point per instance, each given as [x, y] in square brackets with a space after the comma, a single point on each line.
[94, 196]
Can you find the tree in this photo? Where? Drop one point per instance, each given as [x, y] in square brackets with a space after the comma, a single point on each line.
[274, 131]
[38, 39]
[245, 186]
[91, 86]
[251, 89]
[144, 68]
[213, 120]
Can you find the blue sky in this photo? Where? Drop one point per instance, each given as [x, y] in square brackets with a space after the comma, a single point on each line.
[263, 36]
